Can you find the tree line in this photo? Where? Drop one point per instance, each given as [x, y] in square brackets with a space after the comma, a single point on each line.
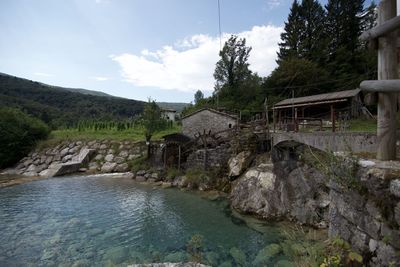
[319, 52]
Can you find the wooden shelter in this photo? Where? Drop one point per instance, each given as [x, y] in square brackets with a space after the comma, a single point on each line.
[329, 106]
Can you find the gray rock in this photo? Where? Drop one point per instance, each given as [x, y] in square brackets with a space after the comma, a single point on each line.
[180, 181]
[49, 159]
[73, 150]
[122, 167]
[103, 146]
[64, 152]
[141, 173]
[397, 213]
[57, 157]
[93, 166]
[32, 168]
[119, 160]
[395, 187]
[124, 154]
[28, 162]
[109, 157]
[134, 156]
[239, 163]
[108, 167]
[99, 157]
[67, 158]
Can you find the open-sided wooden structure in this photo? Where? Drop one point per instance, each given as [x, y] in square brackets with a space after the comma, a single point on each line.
[290, 112]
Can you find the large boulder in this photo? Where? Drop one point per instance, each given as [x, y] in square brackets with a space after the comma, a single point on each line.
[239, 163]
[273, 192]
[108, 167]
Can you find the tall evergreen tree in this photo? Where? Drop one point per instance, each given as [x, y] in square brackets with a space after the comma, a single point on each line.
[304, 35]
[289, 47]
[313, 38]
[348, 60]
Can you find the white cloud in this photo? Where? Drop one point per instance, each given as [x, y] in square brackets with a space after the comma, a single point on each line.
[189, 64]
[100, 78]
[274, 3]
[43, 74]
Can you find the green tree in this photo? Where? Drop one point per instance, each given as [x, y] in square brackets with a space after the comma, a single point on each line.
[312, 43]
[301, 75]
[198, 96]
[19, 133]
[348, 59]
[289, 47]
[232, 68]
[152, 121]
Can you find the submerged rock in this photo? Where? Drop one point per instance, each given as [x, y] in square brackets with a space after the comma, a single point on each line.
[266, 254]
[238, 256]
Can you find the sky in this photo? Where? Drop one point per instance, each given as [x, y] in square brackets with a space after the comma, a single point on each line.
[165, 50]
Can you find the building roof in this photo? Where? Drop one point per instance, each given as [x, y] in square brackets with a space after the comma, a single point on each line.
[321, 98]
[168, 110]
[176, 138]
[212, 110]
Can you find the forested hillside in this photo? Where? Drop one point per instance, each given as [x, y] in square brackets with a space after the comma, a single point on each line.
[63, 107]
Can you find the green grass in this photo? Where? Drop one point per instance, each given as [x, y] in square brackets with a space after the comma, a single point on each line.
[136, 134]
[362, 125]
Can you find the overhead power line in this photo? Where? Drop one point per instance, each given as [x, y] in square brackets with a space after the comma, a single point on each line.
[219, 26]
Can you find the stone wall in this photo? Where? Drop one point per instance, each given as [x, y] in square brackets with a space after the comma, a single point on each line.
[206, 120]
[328, 141]
[108, 156]
[369, 219]
[213, 157]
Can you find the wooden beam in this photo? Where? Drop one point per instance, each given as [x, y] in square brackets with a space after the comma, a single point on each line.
[382, 29]
[311, 104]
[381, 86]
[387, 69]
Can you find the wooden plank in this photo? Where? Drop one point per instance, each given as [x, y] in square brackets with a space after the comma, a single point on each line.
[382, 86]
[387, 69]
[385, 28]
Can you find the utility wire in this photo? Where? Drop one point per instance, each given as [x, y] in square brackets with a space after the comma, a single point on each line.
[219, 26]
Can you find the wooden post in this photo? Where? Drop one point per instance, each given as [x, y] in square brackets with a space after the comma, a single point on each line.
[333, 118]
[387, 63]
[179, 158]
[165, 156]
[274, 118]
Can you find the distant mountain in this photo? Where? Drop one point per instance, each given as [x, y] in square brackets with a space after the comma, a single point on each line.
[59, 106]
[176, 106]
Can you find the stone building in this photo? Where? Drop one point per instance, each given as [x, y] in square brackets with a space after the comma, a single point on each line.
[168, 114]
[207, 119]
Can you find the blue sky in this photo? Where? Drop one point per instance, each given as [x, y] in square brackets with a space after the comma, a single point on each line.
[163, 49]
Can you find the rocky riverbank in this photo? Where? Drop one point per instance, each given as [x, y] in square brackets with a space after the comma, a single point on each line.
[359, 202]
[95, 156]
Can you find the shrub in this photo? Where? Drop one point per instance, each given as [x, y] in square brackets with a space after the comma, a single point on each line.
[139, 164]
[19, 133]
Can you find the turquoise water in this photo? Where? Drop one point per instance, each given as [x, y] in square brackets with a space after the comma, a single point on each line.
[103, 221]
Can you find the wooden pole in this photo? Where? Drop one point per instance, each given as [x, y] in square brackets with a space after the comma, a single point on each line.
[274, 118]
[179, 158]
[333, 118]
[387, 69]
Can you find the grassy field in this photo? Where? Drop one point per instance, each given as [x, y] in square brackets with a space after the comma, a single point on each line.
[136, 134]
[362, 125]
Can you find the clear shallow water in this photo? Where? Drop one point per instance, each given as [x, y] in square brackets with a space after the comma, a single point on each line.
[103, 221]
